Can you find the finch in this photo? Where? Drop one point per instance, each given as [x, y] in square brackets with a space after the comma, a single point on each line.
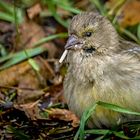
[101, 67]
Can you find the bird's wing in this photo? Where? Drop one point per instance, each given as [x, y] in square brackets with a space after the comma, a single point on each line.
[130, 48]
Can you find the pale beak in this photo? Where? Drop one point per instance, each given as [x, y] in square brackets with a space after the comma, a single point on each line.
[72, 43]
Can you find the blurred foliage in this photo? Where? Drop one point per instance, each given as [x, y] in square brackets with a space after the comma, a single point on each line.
[64, 4]
[8, 13]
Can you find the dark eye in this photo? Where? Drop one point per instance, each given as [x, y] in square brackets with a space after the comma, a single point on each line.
[87, 34]
[89, 50]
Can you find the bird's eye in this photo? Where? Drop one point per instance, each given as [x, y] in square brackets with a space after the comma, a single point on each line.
[89, 50]
[87, 34]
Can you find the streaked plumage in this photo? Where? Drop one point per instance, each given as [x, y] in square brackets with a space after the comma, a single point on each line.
[101, 67]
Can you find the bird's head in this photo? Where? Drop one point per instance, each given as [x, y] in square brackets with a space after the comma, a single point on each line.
[91, 34]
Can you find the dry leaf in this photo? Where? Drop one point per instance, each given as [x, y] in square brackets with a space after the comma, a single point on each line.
[30, 109]
[127, 11]
[31, 33]
[17, 73]
[34, 11]
[26, 95]
[130, 13]
[63, 114]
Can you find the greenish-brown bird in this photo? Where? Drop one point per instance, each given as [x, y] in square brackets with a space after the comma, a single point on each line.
[101, 67]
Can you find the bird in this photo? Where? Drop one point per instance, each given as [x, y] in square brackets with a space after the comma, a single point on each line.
[102, 66]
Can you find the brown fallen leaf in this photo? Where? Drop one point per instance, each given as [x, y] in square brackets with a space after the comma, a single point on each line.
[56, 92]
[34, 11]
[114, 5]
[31, 33]
[10, 76]
[28, 82]
[31, 109]
[130, 13]
[125, 11]
[63, 114]
[27, 95]
[13, 75]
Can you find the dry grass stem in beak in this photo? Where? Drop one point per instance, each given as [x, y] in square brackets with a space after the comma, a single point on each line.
[63, 56]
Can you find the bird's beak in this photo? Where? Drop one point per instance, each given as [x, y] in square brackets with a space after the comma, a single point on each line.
[72, 43]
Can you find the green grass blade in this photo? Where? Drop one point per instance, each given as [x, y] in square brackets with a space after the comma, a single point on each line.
[20, 56]
[34, 64]
[52, 9]
[129, 34]
[51, 37]
[120, 135]
[8, 13]
[8, 8]
[97, 131]
[40, 42]
[18, 15]
[66, 5]
[18, 133]
[138, 32]
[100, 6]
[6, 17]
[5, 58]
[117, 108]
[70, 9]
[91, 110]
[83, 121]
[3, 51]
